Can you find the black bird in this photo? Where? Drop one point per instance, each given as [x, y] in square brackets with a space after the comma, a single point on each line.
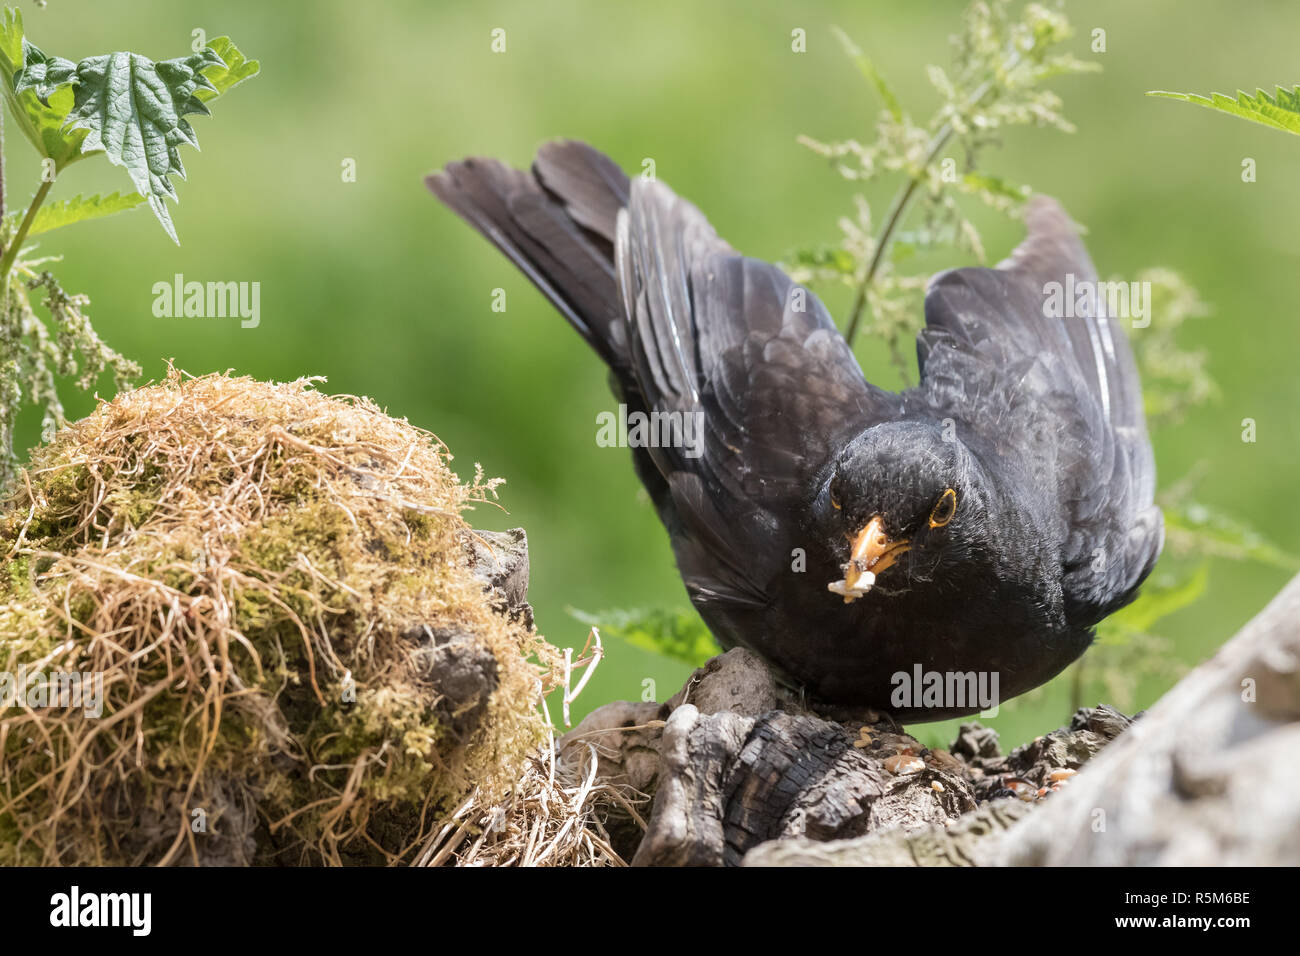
[981, 523]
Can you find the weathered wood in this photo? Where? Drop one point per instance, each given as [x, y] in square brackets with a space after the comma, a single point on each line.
[735, 762]
[973, 840]
[731, 782]
[1006, 788]
[742, 771]
[1207, 777]
[500, 560]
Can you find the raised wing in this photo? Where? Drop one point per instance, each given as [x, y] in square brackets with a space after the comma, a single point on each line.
[1057, 394]
[734, 341]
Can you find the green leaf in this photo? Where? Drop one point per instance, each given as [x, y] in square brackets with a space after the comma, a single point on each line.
[43, 73]
[980, 182]
[871, 74]
[1215, 534]
[134, 110]
[824, 257]
[65, 212]
[678, 634]
[234, 70]
[122, 104]
[42, 123]
[1280, 112]
[1154, 603]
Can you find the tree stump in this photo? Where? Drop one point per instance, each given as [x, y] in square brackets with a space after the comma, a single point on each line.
[742, 771]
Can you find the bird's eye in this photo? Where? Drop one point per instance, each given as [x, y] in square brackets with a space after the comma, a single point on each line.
[835, 493]
[944, 509]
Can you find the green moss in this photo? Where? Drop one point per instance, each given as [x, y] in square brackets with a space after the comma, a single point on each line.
[16, 582]
[58, 509]
[256, 573]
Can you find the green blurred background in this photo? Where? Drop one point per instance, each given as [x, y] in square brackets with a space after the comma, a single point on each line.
[376, 286]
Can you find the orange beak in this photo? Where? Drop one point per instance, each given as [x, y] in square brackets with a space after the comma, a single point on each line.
[873, 551]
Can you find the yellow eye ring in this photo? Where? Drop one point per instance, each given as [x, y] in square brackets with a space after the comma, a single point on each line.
[944, 509]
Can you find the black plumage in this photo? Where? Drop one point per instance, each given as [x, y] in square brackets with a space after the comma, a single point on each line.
[983, 521]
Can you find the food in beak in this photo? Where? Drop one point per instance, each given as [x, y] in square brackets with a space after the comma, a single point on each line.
[873, 551]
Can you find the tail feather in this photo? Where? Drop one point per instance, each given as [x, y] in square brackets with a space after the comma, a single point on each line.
[557, 224]
[591, 186]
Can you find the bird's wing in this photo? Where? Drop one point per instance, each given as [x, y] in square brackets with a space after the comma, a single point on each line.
[759, 361]
[1059, 396]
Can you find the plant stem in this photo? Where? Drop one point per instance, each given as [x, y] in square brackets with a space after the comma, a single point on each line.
[3, 210]
[7, 263]
[891, 224]
[901, 200]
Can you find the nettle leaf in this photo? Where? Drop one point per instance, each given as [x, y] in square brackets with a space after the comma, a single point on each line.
[43, 73]
[134, 110]
[124, 105]
[41, 122]
[1280, 112]
[65, 212]
[234, 70]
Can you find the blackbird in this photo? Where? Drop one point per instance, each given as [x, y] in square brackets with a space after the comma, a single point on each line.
[978, 525]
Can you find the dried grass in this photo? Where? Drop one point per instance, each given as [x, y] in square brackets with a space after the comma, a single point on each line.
[232, 557]
[553, 816]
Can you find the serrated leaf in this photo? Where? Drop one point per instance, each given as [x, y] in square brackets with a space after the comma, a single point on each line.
[65, 212]
[41, 123]
[235, 68]
[42, 73]
[872, 75]
[134, 110]
[1281, 111]
[122, 104]
[678, 634]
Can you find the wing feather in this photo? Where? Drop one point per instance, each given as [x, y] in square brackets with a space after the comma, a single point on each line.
[736, 342]
[1057, 398]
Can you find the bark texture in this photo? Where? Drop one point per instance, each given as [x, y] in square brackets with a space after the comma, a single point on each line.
[741, 771]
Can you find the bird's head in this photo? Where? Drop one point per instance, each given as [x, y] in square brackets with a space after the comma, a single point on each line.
[901, 500]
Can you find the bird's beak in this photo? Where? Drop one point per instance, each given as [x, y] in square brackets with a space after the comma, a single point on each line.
[873, 552]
